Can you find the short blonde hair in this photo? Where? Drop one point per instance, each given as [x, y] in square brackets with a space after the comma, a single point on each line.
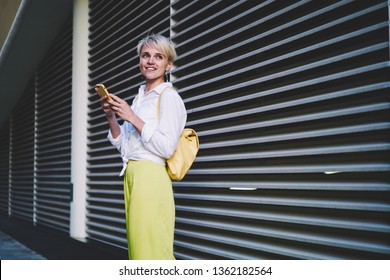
[160, 43]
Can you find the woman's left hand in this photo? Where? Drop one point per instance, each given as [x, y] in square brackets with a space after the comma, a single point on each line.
[121, 108]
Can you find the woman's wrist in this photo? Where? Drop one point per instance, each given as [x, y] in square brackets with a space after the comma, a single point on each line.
[137, 122]
[132, 118]
[110, 116]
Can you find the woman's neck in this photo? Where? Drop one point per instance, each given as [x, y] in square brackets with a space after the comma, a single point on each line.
[151, 84]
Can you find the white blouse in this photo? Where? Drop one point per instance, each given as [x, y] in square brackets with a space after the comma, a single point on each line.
[159, 138]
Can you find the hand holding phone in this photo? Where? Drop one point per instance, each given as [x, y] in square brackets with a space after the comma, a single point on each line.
[101, 89]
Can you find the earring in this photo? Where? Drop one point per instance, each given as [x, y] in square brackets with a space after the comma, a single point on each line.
[167, 76]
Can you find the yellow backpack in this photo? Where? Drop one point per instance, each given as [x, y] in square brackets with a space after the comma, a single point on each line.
[185, 153]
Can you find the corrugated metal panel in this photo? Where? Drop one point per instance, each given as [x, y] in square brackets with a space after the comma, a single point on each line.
[53, 133]
[21, 197]
[4, 167]
[290, 100]
[291, 103]
[115, 29]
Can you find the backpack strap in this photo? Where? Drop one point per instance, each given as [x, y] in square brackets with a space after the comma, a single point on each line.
[159, 101]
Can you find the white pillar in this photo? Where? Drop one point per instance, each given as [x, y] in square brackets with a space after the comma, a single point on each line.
[79, 120]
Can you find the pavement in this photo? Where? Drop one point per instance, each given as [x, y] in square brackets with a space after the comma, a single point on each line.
[21, 240]
[11, 249]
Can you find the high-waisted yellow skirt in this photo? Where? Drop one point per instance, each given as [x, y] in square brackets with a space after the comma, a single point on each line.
[150, 211]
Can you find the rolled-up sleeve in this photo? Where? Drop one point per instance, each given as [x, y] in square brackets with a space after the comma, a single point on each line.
[117, 142]
[147, 132]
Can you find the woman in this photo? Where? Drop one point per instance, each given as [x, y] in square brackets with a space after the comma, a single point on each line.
[145, 140]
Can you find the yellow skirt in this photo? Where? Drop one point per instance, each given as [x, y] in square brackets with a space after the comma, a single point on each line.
[150, 211]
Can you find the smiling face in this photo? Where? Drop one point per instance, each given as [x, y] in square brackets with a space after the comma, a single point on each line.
[153, 65]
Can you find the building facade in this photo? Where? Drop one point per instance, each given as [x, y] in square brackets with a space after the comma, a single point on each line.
[290, 100]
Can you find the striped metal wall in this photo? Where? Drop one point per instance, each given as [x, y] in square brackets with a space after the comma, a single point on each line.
[21, 195]
[53, 133]
[35, 157]
[291, 102]
[4, 167]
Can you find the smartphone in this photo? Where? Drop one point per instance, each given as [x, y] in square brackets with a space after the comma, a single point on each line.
[103, 91]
